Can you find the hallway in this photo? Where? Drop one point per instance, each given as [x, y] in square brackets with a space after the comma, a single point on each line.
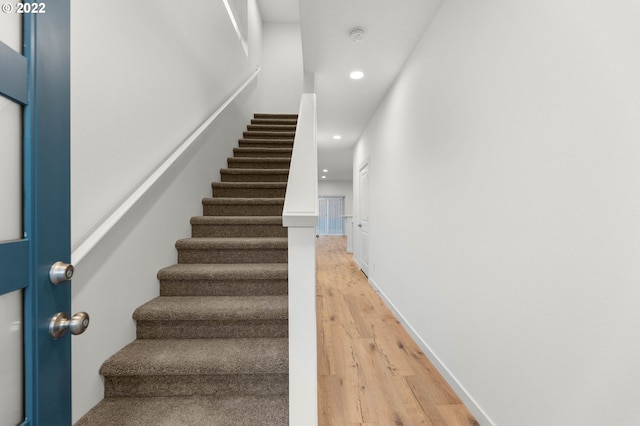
[370, 371]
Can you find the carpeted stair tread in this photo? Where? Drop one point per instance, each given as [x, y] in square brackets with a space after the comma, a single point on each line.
[245, 201]
[153, 357]
[207, 243]
[236, 220]
[278, 185]
[289, 121]
[189, 286]
[242, 206]
[258, 163]
[271, 127]
[243, 152]
[248, 279]
[229, 271]
[268, 135]
[191, 308]
[254, 175]
[265, 143]
[249, 189]
[283, 171]
[237, 226]
[251, 410]
[263, 115]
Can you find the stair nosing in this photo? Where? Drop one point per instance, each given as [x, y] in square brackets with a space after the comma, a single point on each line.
[240, 171]
[232, 243]
[153, 357]
[236, 220]
[213, 308]
[229, 271]
[259, 185]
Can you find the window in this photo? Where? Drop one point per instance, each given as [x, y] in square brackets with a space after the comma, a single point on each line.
[330, 212]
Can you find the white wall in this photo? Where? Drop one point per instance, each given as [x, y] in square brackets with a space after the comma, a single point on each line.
[282, 77]
[144, 76]
[338, 188]
[515, 166]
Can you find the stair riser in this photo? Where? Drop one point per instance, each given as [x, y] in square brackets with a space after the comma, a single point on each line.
[261, 116]
[235, 163]
[178, 385]
[269, 135]
[249, 192]
[281, 121]
[262, 154]
[228, 177]
[210, 329]
[223, 288]
[238, 231]
[233, 256]
[242, 210]
[271, 127]
[247, 143]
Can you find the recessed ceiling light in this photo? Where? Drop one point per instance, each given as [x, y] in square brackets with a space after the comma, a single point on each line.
[325, 171]
[337, 137]
[324, 177]
[356, 75]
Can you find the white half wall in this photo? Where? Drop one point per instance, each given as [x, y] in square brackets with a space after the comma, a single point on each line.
[281, 80]
[144, 76]
[515, 165]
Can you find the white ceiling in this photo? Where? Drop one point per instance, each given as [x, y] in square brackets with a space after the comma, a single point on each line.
[392, 29]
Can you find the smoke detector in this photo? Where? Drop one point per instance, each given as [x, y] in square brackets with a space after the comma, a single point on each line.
[356, 34]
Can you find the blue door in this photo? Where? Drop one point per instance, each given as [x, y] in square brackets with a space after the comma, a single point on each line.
[37, 80]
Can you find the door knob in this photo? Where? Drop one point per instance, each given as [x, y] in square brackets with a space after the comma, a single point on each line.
[60, 323]
[60, 272]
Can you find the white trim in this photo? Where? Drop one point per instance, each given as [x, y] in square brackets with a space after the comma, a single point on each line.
[301, 198]
[90, 242]
[468, 401]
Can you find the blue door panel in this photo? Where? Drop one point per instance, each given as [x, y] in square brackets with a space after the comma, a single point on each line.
[39, 80]
[48, 388]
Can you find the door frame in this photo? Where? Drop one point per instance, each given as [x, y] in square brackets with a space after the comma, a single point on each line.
[364, 266]
[44, 92]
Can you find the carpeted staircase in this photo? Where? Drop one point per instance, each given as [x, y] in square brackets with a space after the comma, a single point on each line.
[212, 349]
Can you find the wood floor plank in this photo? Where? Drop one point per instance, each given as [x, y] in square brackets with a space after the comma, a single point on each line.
[370, 371]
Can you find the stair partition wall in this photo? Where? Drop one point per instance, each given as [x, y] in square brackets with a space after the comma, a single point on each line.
[300, 216]
[330, 215]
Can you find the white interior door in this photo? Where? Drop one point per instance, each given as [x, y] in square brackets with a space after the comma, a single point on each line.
[363, 217]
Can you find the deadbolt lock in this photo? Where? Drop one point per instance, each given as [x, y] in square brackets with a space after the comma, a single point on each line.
[60, 272]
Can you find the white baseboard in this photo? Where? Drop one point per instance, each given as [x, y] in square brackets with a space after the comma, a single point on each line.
[468, 401]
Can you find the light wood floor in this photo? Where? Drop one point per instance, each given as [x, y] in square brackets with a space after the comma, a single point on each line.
[370, 372]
